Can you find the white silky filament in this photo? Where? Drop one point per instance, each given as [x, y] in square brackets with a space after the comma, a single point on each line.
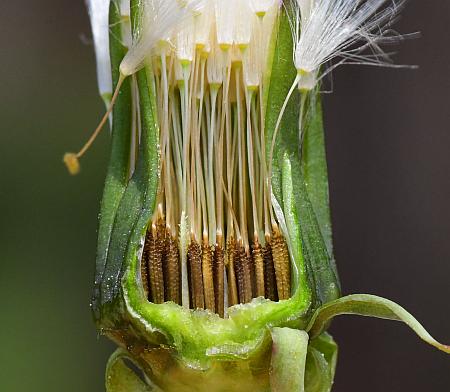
[326, 29]
[159, 18]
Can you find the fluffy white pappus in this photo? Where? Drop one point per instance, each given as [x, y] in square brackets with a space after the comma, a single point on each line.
[99, 14]
[159, 19]
[327, 29]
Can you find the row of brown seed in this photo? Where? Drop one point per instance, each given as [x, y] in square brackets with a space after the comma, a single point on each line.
[262, 271]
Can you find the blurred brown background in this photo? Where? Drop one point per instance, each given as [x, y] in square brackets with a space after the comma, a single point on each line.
[388, 143]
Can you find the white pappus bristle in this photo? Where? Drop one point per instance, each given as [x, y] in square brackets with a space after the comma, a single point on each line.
[159, 19]
[327, 29]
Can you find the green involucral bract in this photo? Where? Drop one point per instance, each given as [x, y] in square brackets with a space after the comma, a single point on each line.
[263, 345]
[116, 177]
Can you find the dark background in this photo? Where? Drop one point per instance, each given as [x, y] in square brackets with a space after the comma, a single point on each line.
[388, 146]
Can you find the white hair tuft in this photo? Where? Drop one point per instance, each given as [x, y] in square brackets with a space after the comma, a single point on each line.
[159, 20]
[326, 29]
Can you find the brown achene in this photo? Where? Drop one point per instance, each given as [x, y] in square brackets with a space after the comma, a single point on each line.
[263, 272]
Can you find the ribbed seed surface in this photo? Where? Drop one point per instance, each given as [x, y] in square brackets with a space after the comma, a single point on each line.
[280, 256]
[219, 279]
[242, 268]
[270, 285]
[195, 270]
[172, 270]
[261, 272]
[251, 271]
[233, 298]
[239, 275]
[258, 260]
[153, 251]
[247, 267]
[208, 277]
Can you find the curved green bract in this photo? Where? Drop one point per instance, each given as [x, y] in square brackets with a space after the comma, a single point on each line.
[118, 168]
[372, 306]
[139, 194]
[291, 214]
[289, 350]
[282, 75]
[311, 201]
[321, 271]
[314, 168]
[315, 173]
[321, 364]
